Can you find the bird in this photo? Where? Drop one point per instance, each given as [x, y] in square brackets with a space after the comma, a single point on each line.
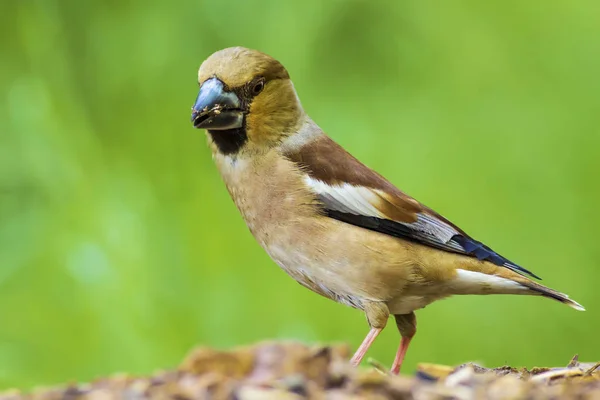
[333, 224]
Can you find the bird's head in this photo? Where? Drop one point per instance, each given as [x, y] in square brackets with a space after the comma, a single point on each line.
[246, 101]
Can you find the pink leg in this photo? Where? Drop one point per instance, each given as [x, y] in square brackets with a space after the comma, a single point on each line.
[407, 326]
[362, 350]
[400, 354]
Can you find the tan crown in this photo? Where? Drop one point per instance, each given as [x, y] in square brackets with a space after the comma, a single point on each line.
[236, 66]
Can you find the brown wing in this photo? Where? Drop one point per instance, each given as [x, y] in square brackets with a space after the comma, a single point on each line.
[355, 194]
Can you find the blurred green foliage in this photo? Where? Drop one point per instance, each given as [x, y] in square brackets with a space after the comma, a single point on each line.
[120, 249]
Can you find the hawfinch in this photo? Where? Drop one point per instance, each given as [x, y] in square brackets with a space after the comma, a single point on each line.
[334, 225]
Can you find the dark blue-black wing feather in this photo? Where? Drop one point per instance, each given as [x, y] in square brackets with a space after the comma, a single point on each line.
[458, 243]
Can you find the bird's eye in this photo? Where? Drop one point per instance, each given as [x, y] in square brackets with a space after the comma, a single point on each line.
[258, 87]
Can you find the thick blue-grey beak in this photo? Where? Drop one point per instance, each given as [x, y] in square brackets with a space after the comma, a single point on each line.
[216, 109]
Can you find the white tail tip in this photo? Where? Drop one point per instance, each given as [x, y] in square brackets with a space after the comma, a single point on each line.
[575, 305]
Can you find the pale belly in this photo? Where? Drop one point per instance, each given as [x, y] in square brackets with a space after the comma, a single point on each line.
[335, 278]
[309, 274]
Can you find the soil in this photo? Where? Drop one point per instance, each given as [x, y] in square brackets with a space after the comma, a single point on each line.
[288, 370]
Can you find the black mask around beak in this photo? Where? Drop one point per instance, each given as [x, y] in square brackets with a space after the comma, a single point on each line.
[216, 109]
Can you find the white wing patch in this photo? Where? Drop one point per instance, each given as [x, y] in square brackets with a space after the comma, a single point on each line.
[359, 200]
[347, 198]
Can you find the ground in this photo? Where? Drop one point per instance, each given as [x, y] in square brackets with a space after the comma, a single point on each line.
[289, 370]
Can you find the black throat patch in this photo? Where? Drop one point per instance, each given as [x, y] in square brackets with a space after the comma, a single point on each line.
[229, 141]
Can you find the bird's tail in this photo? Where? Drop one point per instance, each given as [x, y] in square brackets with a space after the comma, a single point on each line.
[551, 293]
[533, 288]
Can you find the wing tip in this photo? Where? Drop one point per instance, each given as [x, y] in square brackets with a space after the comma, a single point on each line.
[482, 252]
[520, 270]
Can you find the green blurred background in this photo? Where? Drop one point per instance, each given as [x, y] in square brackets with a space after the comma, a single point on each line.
[120, 249]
